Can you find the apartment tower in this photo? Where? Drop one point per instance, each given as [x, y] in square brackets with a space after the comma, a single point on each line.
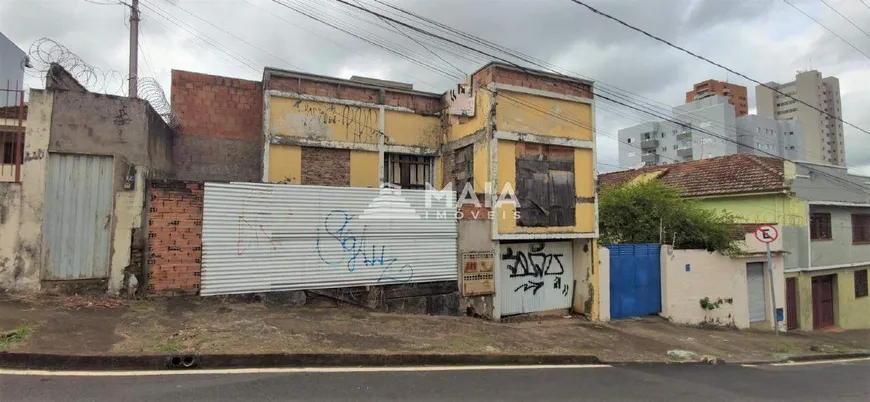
[736, 94]
[823, 132]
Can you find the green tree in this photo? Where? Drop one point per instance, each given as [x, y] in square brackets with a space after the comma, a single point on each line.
[650, 212]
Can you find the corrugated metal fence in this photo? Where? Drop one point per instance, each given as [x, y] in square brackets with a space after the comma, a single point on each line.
[268, 237]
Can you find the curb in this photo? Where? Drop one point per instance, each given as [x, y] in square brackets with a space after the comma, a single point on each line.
[162, 362]
[40, 361]
[812, 358]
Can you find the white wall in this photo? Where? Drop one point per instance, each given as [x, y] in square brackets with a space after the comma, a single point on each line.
[714, 276]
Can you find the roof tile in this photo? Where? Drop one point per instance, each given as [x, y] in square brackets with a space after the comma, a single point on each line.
[731, 174]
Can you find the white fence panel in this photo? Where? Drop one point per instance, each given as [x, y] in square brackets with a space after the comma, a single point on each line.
[272, 237]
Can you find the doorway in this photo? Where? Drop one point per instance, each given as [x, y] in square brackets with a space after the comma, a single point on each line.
[823, 301]
[755, 287]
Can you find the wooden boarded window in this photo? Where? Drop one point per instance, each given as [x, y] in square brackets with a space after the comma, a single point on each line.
[463, 168]
[545, 185]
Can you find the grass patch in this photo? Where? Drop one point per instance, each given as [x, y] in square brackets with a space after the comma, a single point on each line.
[169, 347]
[9, 339]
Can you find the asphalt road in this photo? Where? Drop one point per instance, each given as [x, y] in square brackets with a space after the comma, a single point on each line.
[842, 381]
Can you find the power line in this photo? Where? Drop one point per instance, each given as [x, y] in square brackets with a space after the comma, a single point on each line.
[845, 18]
[659, 39]
[864, 2]
[600, 85]
[311, 15]
[236, 37]
[158, 11]
[144, 54]
[598, 95]
[826, 28]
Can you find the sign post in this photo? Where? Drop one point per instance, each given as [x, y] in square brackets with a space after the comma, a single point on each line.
[768, 234]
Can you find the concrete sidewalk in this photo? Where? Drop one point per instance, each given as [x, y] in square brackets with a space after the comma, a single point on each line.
[203, 326]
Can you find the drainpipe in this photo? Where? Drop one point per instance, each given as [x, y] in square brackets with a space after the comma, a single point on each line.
[381, 99]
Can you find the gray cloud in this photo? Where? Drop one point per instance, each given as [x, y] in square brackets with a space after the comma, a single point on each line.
[766, 39]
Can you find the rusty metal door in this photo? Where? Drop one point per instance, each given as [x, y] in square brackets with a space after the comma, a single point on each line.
[823, 301]
[77, 217]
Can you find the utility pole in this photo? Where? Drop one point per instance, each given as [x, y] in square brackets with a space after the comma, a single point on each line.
[134, 49]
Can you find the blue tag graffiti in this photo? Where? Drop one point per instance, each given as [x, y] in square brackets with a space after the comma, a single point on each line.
[355, 251]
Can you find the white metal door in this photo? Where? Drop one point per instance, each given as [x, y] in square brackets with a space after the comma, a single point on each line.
[755, 286]
[77, 217]
[536, 276]
[271, 237]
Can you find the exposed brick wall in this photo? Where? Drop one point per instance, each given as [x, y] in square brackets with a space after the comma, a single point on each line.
[217, 106]
[174, 236]
[510, 76]
[221, 127]
[325, 166]
[420, 103]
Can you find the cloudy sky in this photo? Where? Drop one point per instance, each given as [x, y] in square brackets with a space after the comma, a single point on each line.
[765, 39]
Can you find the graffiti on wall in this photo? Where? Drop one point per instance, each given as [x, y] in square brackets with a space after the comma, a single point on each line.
[535, 265]
[537, 276]
[355, 250]
[360, 123]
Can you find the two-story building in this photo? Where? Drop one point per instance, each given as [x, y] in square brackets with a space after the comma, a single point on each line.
[521, 134]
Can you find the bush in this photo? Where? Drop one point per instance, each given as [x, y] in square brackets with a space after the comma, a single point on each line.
[651, 212]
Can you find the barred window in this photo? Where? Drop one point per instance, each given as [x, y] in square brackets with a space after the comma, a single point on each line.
[408, 171]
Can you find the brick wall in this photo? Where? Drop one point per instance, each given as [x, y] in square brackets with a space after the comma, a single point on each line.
[420, 103]
[511, 76]
[174, 236]
[221, 127]
[325, 166]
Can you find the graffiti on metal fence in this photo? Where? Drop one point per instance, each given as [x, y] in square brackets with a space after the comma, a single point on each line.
[356, 251]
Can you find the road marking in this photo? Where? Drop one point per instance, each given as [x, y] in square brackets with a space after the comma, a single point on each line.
[821, 362]
[288, 370]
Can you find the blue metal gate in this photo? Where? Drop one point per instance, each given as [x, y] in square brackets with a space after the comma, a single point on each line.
[635, 280]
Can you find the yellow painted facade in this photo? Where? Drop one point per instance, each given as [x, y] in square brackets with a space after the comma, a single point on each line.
[337, 124]
[403, 128]
[364, 169]
[470, 125]
[524, 113]
[850, 312]
[778, 208]
[285, 164]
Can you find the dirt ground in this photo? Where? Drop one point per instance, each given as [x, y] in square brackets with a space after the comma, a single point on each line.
[213, 325]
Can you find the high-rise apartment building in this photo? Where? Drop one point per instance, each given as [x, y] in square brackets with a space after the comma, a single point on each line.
[736, 94]
[823, 132]
[708, 128]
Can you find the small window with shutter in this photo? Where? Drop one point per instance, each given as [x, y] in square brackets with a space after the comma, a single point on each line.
[820, 226]
[860, 228]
